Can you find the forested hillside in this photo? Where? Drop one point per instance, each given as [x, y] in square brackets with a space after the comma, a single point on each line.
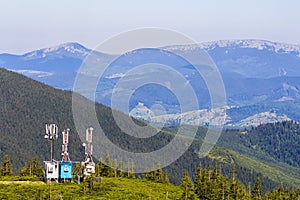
[280, 141]
[26, 106]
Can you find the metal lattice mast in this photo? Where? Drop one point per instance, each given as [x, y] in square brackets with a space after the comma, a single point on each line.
[89, 146]
[65, 153]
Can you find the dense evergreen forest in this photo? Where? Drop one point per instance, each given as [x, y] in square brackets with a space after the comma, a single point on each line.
[26, 106]
[280, 141]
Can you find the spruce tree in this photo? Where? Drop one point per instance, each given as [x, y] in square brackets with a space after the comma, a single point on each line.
[108, 171]
[32, 168]
[197, 182]
[77, 170]
[256, 193]
[99, 168]
[115, 168]
[121, 168]
[37, 169]
[6, 169]
[159, 175]
[187, 186]
[165, 178]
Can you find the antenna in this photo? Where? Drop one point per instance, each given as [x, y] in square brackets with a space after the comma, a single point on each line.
[89, 140]
[89, 134]
[65, 153]
[88, 161]
[51, 135]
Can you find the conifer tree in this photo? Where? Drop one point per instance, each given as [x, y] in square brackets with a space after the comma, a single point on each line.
[108, 171]
[146, 174]
[165, 178]
[187, 186]
[6, 169]
[280, 191]
[159, 175]
[99, 168]
[37, 169]
[198, 179]
[32, 168]
[121, 168]
[115, 168]
[256, 193]
[77, 170]
[130, 169]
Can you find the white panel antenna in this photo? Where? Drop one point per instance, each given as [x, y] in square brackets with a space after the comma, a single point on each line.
[51, 132]
[51, 135]
[89, 135]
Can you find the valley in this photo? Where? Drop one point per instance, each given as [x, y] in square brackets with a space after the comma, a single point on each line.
[266, 73]
[29, 102]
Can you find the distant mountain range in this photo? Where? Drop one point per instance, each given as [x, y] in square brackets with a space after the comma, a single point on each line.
[261, 78]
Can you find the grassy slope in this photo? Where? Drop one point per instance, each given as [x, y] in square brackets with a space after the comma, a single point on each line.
[276, 171]
[110, 188]
[229, 150]
[258, 160]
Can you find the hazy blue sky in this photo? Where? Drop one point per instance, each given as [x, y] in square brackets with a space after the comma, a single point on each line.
[31, 24]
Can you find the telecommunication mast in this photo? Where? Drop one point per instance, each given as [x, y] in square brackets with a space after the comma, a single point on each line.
[89, 165]
[51, 167]
[65, 153]
[66, 164]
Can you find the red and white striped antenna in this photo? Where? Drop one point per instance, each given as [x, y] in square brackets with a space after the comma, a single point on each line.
[65, 152]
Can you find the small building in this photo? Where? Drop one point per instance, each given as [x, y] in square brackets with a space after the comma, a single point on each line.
[89, 168]
[65, 170]
[51, 171]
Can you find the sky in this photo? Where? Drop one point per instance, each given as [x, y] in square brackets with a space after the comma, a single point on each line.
[35, 24]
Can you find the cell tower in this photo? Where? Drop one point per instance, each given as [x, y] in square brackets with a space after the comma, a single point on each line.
[89, 165]
[51, 167]
[65, 153]
[65, 172]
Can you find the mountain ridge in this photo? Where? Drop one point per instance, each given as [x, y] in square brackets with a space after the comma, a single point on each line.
[244, 43]
[267, 72]
[71, 47]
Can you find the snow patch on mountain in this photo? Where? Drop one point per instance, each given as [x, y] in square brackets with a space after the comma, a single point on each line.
[70, 48]
[252, 44]
[117, 75]
[36, 73]
[285, 98]
[287, 86]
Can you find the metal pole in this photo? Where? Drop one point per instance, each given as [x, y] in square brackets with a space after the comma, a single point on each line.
[52, 149]
[51, 156]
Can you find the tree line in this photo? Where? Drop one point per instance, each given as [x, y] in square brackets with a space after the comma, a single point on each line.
[207, 184]
[212, 184]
